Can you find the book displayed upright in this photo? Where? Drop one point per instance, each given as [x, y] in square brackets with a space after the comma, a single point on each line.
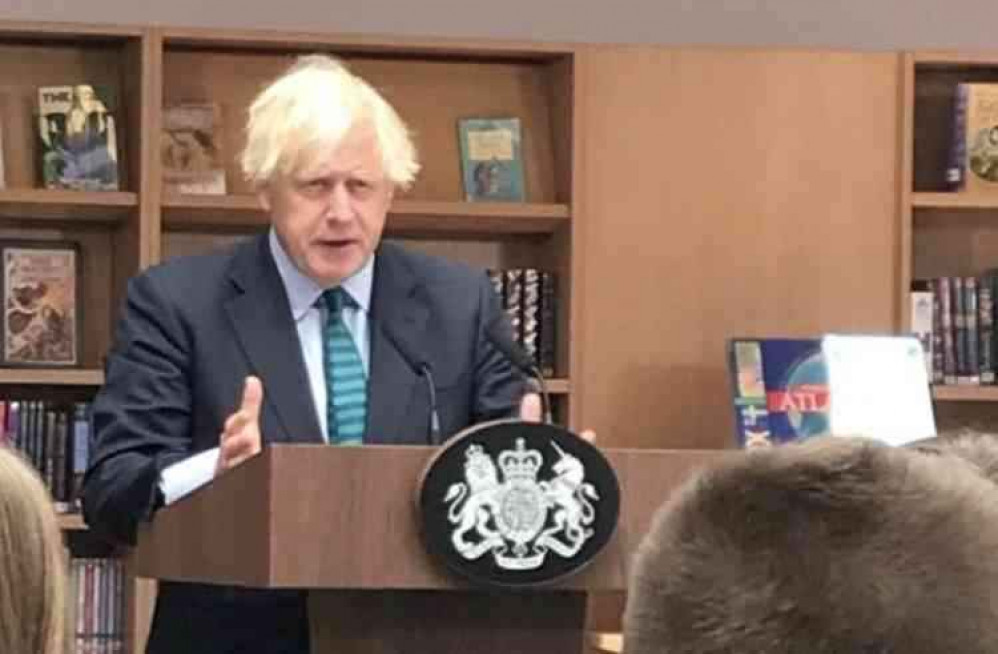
[491, 159]
[780, 390]
[191, 150]
[78, 138]
[973, 164]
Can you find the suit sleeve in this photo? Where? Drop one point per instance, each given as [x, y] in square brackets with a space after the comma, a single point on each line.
[141, 416]
[499, 386]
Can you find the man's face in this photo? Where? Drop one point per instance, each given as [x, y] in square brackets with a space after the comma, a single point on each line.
[330, 216]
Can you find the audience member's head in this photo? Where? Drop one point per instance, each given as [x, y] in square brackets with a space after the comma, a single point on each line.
[32, 563]
[832, 546]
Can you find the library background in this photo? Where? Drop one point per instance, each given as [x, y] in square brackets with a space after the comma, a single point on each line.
[632, 222]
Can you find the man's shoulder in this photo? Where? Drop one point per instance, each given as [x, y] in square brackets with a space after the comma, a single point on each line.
[428, 268]
[195, 273]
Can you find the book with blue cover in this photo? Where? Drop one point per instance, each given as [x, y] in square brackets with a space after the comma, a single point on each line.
[780, 390]
[491, 159]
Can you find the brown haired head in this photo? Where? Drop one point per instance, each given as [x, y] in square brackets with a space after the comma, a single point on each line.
[831, 546]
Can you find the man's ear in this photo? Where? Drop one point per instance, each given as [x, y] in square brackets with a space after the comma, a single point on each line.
[263, 197]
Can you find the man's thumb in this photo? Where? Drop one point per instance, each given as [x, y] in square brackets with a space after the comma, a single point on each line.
[252, 397]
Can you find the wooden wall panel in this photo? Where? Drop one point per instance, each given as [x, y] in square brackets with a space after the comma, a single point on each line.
[724, 192]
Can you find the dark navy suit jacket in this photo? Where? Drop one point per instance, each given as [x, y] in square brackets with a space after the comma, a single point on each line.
[193, 328]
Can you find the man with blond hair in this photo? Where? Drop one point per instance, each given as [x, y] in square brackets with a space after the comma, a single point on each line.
[291, 337]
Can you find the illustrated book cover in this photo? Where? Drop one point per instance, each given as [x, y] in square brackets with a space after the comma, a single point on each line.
[191, 149]
[78, 138]
[40, 288]
[492, 159]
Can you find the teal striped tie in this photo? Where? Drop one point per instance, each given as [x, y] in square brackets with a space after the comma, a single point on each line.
[346, 384]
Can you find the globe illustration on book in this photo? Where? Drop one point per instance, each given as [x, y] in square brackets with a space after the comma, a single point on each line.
[806, 396]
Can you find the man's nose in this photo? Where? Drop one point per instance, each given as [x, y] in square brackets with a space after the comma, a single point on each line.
[338, 205]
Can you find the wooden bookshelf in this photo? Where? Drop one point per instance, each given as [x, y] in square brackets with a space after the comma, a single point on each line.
[955, 201]
[50, 377]
[72, 522]
[57, 205]
[944, 233]
[965, 393]
[432, 83]
[193, 212]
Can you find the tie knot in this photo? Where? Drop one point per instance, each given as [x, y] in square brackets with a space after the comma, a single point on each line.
[336, 299]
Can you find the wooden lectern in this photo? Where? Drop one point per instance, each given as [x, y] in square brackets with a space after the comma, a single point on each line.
[342, 523]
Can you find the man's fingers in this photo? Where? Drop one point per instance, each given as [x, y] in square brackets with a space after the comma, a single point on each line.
[531, 409]
[252, 398]
[588, 435]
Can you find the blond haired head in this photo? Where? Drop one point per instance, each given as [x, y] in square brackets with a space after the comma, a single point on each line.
[32, 564]
[305, 113]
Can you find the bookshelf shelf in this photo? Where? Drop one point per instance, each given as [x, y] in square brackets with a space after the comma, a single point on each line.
[50, 377]
[187, 212]
[951, 201]
[72, 522]
[965, 393]
[559, 386]
[69, 206]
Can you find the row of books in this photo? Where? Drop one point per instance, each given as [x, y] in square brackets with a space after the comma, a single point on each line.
[529, 297]
[97, 605]
[954, 317]
[53, 437]
[78, 145]
[77, 137]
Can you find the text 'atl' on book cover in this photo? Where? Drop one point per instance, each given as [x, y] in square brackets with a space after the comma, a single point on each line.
[780, 390]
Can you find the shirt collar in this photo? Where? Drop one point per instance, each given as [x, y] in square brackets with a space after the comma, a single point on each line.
[303, 291]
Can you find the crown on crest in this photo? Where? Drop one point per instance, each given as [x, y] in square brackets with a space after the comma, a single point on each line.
[520, 463]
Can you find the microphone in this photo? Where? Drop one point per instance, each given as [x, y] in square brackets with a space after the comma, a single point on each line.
[421, 367]
[500, 337]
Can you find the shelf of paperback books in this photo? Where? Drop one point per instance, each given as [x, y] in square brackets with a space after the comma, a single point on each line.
[66, 205]
[183, 212]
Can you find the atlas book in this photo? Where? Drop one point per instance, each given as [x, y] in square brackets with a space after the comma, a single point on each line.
[191, 149]
[78, 138]
[492, 159]
[780, 390]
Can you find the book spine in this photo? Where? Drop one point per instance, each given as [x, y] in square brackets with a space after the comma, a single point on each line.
[948, 330]
[937, 333]
[956, 170]
[973, 375]
[959, 329]
[549, 323]
[985, 320]
[513, 296]
[532, 314]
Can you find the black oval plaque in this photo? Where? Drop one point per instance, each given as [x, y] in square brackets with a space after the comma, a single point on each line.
[513, 503]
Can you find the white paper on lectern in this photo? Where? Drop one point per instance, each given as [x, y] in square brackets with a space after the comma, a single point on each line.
[878, 387]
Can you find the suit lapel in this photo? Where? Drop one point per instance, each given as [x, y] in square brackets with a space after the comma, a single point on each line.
[262, 321]
[394, 415]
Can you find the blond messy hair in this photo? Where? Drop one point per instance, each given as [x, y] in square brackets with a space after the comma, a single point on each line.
[308, 110]
[33, 567]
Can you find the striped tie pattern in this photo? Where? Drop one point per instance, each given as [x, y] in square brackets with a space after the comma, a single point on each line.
[346, 384]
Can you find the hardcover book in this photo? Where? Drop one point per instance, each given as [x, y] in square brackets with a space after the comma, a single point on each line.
[190, 149]
[76, 127]
[780, 389]
[40, 292]
[974, 150]
[491, 159]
